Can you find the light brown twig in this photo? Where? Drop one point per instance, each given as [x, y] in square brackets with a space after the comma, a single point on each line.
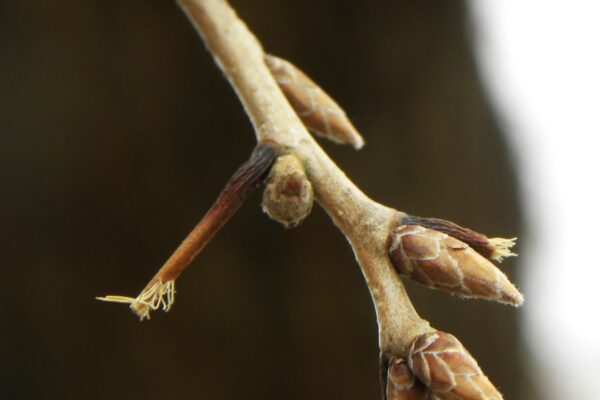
[370, 227]
[365, 222]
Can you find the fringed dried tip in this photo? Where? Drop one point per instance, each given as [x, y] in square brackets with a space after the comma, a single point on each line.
[403, 385]
[442, 262]
[441, 362]
[158, 295]
[501, 248]
[494, 249]
[317, 110]
[288, 195]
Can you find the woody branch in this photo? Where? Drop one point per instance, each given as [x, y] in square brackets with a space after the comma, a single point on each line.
[417, 362]
[365, 223]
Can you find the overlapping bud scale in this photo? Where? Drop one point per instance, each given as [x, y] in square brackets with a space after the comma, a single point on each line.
[317, 110]
[442, 364]
[443, 262]
[403, 385]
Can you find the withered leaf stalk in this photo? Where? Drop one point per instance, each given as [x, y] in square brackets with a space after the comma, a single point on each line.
[160, 291]
[417, 361]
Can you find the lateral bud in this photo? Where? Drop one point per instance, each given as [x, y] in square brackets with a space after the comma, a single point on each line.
[492, 248]
[403, 385]
[317, 110]
[288, 195]
[442, 262]
[440, 361]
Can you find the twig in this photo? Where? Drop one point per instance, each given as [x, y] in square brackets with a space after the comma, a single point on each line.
[365, 222]
[385, 242]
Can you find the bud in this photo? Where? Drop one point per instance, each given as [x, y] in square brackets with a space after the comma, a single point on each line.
[319, 112]
[403, 385]
[288, 196]
[441, 362]
[442, 262]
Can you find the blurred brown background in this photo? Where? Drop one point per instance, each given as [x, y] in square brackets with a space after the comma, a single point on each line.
[117, 134]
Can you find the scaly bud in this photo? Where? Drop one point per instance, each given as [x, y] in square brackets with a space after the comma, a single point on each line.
[442, 262]
[319, 112]
[403, 385]
[441, 362]
[494, 249]
[288, 195]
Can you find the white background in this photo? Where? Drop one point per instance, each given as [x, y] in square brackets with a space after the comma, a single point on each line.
[540, 61]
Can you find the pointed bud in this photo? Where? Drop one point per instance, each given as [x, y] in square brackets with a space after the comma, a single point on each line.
[319, 112]
[403, 385]
[288, 196]
[441, 362]
[494, 249]
[442, 262]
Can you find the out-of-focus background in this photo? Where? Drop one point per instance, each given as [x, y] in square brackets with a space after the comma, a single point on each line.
[540, 62]
[118, 132]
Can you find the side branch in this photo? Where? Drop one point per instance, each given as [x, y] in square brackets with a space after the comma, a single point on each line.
[160, 291]
[233, 195]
